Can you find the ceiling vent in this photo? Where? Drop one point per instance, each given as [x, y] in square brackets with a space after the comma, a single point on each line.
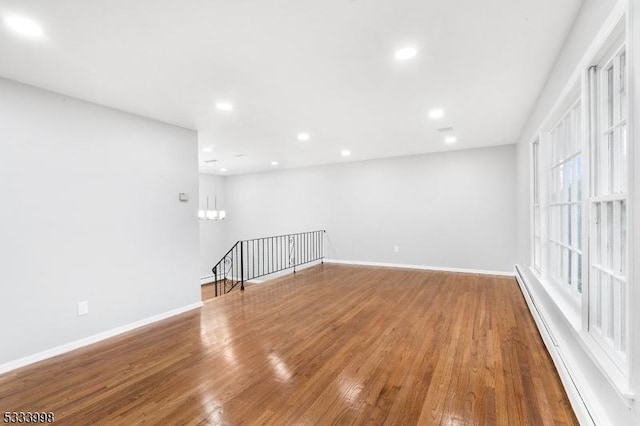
[445, 129]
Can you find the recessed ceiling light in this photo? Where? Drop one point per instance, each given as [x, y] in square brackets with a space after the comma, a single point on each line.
[435, 114]
[24, 26]
[223, 170]
[274, 163]
[405, 53]
[224, 106]
[345, 153]
[303, 136]
[451, 139]
[207, 149]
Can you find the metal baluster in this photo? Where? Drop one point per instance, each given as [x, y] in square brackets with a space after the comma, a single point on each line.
[241, 266]
[215, 280]
[235, 266]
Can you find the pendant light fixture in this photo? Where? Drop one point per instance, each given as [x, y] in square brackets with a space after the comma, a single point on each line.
[214, 214]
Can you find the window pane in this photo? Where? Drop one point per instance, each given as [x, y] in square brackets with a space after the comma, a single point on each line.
[598, 216]
[616, 162]
[554, 146]
[623, 238]
[609, 260]
[610, 304]
[574, 226]
[535, 173]
[595, 168]
[623, 86]
[609, 96]
[566, 265]
[561, 183]
[599, 297]
[579, 226]
[579, 273]
[615, 236]
[624, 159]
[578, 172]
[623, 316]
[577, 131]
[607, 162]
[573, 274]
[566, 224]
[568, 178]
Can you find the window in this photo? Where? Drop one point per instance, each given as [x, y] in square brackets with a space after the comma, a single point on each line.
[608, 270]
[580, 203]
[565, 203]
[537, 240]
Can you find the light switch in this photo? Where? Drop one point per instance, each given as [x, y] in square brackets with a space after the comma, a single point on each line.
[83, 308]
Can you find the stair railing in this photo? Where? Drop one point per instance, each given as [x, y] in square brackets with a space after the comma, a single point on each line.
[257, 257]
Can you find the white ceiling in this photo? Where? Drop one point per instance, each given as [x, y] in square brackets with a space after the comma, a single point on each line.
[324, 67]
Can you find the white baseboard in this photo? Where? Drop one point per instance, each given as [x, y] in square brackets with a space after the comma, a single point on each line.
[423, 267]
[209, 280]
[285, 272]
[67, 347]
[575, 398]
[265, 278]
[206, 280]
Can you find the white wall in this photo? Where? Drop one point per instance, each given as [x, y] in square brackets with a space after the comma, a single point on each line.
[454, 209]
[90, 211]
[213, 241]
[604, 402]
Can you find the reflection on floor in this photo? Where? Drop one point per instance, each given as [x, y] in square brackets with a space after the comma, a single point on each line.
[333, 344]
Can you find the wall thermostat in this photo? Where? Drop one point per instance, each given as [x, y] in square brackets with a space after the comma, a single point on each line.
[184, 197]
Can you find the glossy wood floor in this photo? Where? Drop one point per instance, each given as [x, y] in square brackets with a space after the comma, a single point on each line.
[207, 291]
[335, 344]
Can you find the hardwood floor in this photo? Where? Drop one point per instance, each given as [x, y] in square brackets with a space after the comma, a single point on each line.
[207, 291]
[334, 344]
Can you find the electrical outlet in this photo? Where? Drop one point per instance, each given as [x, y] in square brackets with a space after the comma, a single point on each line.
[396, 249]
[83, 308]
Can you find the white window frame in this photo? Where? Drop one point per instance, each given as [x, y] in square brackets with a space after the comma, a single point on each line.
[564, 237]
[609, 285]
[536, 211]
[618, 373]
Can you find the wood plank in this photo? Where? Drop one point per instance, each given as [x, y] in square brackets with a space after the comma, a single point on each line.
[330, 344]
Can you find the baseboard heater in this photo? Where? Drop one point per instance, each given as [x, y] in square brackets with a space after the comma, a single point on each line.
[563, 368]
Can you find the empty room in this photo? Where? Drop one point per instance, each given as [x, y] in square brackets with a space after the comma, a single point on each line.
[282, 212]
